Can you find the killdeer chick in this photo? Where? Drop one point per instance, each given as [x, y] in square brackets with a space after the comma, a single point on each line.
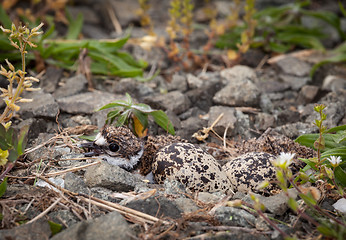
[167, 157]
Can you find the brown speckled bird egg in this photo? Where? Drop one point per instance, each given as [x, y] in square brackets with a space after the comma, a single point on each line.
[248, 171]
[191, 166]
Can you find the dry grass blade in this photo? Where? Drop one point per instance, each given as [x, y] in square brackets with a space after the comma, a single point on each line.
[130, 213]
[45, 211]
[72, 169]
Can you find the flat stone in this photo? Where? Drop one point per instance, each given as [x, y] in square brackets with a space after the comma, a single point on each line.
[43, 105]
[110, 177]
[108, 227]
[231, 216]
[193, 81]
[240, 90]
[228, 120]
[75, 183]
[175, 101]
[87, 102]
[238, 73]
[293, 66]
[39, 229]
[277, 204]
[264, 121]
[295, 82]
[72, 86]
[50, 80]
[334, 83]
[156, 206]
[178, 82]
[307, 94]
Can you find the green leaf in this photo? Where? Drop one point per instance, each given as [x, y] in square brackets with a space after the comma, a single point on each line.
[142, 117]
[336, 129]
[340, 57]
[4, 143]
[88, 138]
[55, 227]
[74, 26]
[22, 139]
[3, 187]
[112, 115]
[308, 199]
[340, 176]
[325, 231]
[163, 121]
[124, 117]
[119, 103]
[292, 203]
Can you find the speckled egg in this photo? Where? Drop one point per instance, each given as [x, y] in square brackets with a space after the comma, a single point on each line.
[248, 171]
[191, 166]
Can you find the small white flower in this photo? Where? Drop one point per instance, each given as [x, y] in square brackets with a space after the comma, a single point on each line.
[284, 160]
[334, 161]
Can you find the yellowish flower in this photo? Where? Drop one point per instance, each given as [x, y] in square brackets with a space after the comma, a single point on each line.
[3, 157]
[335, 160]
[284, 160]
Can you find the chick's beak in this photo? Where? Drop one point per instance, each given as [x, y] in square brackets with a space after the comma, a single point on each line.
[91, 149]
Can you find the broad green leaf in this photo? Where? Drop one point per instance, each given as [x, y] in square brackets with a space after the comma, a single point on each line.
[4, 143]
[163, 121]
[124, 117]
[142, 117]
[119, 103]
[336, 129]
[338, 151]
[3, 187]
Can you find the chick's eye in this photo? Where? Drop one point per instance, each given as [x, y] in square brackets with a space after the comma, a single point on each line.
[114, 147]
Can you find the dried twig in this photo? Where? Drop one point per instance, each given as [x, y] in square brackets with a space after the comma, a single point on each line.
[74, 169]
[45, 211]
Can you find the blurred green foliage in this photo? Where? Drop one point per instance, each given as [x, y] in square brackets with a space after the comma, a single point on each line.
[280, 29]
[107, 59]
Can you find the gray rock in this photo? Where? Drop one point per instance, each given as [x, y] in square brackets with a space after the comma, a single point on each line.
[240, 90]
[75, 183]
[243, 125]
[107, 227]
[293, 130]
[87, 102]
[178, 82]
[193, 81]
[92, 18]
[36, 126]
[210, 198]
[39, 229]
[334, 83]
[154, 207]
[187, 205]
[125, 11]
[307, 94]
[272, 86]
[111, 177]
[287, 116]
[228, 120]
[174, 187]
[190, 126]
[238, 73]
[234, 217]
[266, 104]
[264, 121]
[72, 86]
[175, 101]
[43, 105]
[295, 82]
[277, 204]
[51, 79]
[293, 66]
[63, 217]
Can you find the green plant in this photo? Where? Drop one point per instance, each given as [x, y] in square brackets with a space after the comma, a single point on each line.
[279, 29]
[12, 142]
[145, 17]
[136, 114]
[329, 143]
[106, 55]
